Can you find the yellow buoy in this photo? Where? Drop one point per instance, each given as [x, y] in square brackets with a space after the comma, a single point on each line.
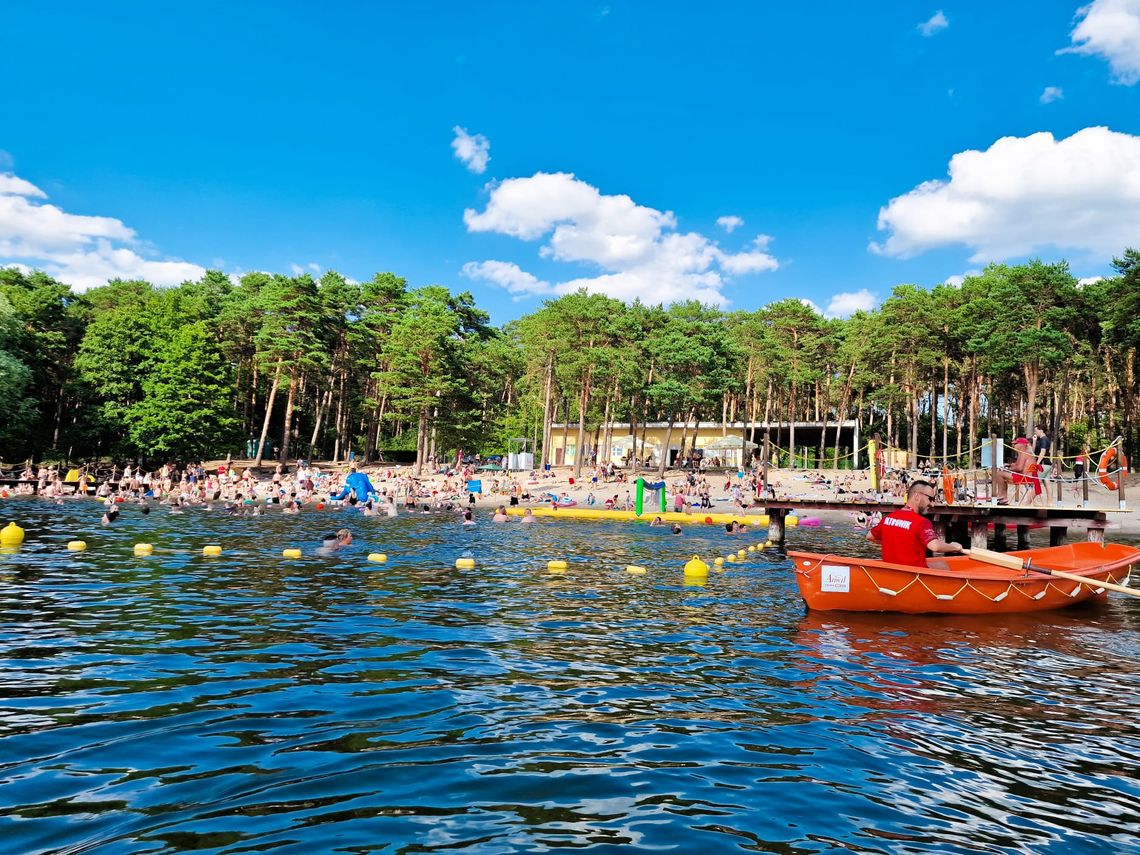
[730, 558]
[290, 553]
[556, 564]
[378, 557]
[768, 544]
[144, 548]
[751, 547]
[11, 535]
[635, 569]
[695, 567]
[77, 545]
[741, 554]
[464, 563]
[212, 551]
[791, 521]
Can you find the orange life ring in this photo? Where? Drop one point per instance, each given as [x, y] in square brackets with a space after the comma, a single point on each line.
[947, 487]
[1106, 461]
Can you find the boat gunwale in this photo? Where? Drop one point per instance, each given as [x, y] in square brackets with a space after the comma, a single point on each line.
[981, 571]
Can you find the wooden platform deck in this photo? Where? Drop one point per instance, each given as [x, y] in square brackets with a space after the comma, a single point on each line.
[967, 523]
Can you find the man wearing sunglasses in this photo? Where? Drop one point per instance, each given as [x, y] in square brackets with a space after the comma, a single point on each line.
[906, 534]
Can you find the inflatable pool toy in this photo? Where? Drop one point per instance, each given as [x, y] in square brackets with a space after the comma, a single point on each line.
[568, 512]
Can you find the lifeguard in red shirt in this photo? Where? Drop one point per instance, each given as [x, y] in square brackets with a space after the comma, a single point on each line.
[906, 534]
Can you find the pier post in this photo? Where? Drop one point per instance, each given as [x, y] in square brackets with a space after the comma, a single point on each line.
[1085, 477]
[776, 525]
[1096, 535]
[1123, 472]
[979, 531]
[1057, 535]
[1023, 537]
[764, 468]
[999, 537]
[993, 475]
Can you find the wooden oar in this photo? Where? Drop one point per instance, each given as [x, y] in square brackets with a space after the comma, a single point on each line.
[1012, 562]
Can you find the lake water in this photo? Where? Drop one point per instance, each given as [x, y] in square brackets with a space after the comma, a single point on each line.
[328, 704]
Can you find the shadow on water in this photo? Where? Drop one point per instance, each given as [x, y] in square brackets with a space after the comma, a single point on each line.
[251, 702]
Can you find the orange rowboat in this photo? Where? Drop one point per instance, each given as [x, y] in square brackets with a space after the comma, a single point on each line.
[970, 586]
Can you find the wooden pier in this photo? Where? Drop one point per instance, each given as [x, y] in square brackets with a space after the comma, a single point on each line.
[966, 524]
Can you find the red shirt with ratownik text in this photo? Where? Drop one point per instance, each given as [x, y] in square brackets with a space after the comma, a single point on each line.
[904, 535]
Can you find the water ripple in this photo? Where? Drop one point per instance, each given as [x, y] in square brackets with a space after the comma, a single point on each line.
[327, 704]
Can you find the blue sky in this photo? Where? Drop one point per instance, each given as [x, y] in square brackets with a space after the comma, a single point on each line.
[140, 140]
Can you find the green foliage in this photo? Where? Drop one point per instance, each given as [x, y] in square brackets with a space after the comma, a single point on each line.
[187, 408]
[130, 368]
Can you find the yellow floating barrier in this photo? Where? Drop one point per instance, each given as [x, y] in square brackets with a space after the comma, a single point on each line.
[635, 570]
[76, 545]
[730, 558]
[290, 553]
[212, 551]
[378, 557]
[464, 563]
[791, 521]
[718, 561]
[751, 547]
[647, 516]
[556, 564]
[695, 567]
[144, 548]
[11, 535]
[741, 554]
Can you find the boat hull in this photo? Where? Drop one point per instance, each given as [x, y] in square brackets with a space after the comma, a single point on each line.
[836, 583]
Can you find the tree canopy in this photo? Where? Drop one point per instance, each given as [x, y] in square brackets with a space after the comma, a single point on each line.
[330, 367]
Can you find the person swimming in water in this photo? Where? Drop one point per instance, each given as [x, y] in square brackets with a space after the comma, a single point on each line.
[341, 537]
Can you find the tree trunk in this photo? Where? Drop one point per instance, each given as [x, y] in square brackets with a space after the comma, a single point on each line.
[286, 432]
[544, 458]
[583, 406]
[268, 413]
[665, 448]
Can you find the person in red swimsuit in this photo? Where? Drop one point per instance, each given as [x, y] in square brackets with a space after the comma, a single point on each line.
[906, 534]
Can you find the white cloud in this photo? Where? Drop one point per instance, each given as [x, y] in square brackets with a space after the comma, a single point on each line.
[298, 270]
[730, 223]
[77, 249]
[811, 305]
[1111, 29]
[1051, 94]
[1022, 195]
[846, 304]
[636, 248]
[958, 278]
[507, 275]
[938, 21]
[1088, 280]
[473, 149]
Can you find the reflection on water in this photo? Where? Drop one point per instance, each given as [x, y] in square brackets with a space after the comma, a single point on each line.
[251, 702]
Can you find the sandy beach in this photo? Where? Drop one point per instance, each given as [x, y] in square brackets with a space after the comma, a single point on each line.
[803, 485]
